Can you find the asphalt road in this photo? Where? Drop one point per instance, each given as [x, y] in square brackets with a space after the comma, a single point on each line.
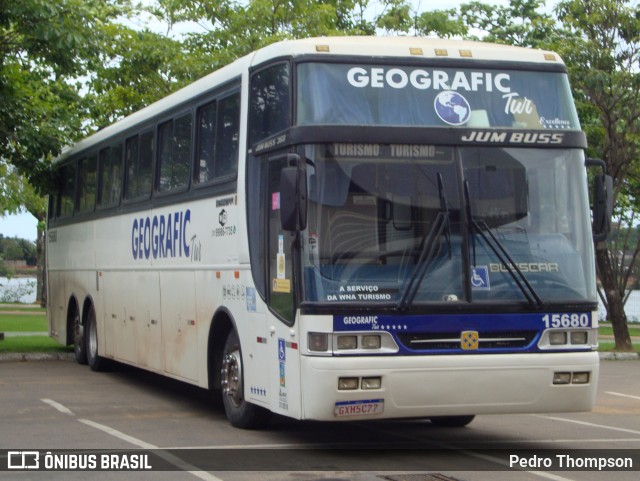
[55, 405]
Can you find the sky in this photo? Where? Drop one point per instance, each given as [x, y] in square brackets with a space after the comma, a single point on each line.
[24, 225]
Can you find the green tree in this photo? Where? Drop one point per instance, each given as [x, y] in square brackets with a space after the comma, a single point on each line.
[45, 48]
[257, 23]
[602, 51]
[520, 23]
[133, 70]
[396, 17]
[443, 23]
[16, 195]
[11, 250]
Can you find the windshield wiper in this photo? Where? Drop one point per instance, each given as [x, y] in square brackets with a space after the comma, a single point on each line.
[444, 209]
[430, 247]
[501, 253]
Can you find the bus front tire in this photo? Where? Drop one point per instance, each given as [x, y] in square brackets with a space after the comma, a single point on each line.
[96, 361]
[451, 421]
[241, 413]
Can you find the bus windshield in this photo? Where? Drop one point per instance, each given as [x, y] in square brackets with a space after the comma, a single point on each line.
[411, 224]
[358, 94]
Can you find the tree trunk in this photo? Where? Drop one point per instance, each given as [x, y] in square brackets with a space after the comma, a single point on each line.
[615, 304]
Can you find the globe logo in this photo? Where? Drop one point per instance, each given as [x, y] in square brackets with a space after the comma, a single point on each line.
[452, 108]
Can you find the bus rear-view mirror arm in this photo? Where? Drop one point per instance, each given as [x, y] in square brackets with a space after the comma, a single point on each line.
[293, 195]
[602, 200]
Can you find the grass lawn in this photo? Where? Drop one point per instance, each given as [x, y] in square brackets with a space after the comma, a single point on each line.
[15, 318]
[34, 309]
[22, 323]
[26, 319]
[605, 329]
[608, 346]
[32, 344]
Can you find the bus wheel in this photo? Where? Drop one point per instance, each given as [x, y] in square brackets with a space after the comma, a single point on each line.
[241, 414]
[79, 343]
[95, 361]
[452, 421]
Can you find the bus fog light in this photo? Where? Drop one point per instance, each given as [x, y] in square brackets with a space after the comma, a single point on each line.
[580, 378]
[347, 342]
[318, 341]
[371, 383]
[579, 337]
[348, 383]
[371, 342]
[561, 378]
[557, 338]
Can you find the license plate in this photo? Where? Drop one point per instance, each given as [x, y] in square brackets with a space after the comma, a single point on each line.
[358, 408]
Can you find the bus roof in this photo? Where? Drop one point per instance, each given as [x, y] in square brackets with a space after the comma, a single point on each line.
[424, 47]
[372, 47]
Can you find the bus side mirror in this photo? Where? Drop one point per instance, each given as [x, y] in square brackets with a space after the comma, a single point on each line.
[602, 200]
[293, 198]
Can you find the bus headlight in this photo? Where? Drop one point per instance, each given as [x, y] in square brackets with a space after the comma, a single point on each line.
[348, 383]
[318, 341]
[561, 378]
[371, 383]
[557, 338]
[350, 343]
[347, 342]
[372, 341]
[571, 377]
[579, 337]
[569, 339]
[580, 378]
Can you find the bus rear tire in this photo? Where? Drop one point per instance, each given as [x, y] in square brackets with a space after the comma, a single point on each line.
[241, 413]
[96, 361]
[451, 421]
[79, 342]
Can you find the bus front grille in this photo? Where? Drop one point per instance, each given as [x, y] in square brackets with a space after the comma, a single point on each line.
[453, 340]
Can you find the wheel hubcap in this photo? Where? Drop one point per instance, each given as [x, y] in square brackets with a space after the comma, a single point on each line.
[232, 377]
[78, 332]
[93, 339]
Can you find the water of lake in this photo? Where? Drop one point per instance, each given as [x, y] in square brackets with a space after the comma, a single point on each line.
[18, 289]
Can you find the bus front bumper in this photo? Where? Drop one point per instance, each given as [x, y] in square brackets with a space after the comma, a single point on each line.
[426, 386]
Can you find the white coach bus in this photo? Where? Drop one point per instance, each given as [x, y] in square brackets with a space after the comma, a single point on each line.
[342, 228]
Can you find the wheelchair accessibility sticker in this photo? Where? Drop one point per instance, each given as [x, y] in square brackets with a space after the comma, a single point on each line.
[480, 278]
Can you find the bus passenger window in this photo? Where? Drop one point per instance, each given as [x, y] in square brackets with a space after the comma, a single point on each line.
[110, 176]
[218, 140]
[206, 143]
[138, 158]
[174, 145]
[269, 102]
[228, 133]
[131, 151]
[67, 190]
[145, 164]
[87, 184]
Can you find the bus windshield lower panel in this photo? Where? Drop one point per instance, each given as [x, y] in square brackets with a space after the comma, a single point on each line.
[405, 225]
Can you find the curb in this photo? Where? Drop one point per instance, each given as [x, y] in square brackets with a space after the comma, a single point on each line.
[619, 356]
[36, 356]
